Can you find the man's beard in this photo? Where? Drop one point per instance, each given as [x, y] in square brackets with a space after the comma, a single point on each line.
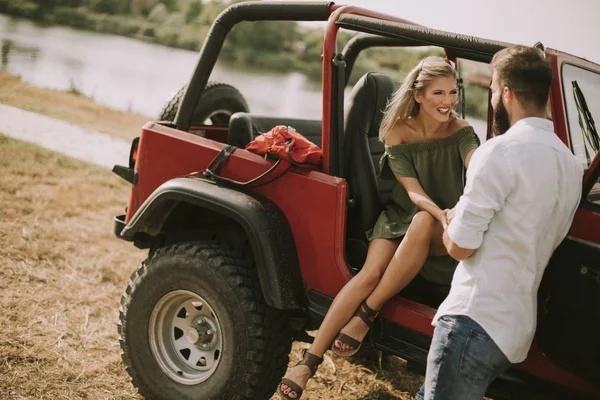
[501, 122]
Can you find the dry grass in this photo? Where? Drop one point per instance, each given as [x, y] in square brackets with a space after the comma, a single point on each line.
[70, 107]
[61, 277]
[373, 377]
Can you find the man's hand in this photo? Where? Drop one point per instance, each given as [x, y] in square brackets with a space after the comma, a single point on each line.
[455, 251]
[449, 216]
[446, 218]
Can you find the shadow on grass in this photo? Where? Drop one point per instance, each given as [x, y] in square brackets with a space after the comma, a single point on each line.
[379, 394]
[390, 369]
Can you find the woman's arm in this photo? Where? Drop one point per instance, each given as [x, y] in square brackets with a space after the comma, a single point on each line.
[418, 196]
[468, 158]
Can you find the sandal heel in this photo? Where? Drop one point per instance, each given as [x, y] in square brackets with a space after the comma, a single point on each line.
[368, 315]
[309, 360]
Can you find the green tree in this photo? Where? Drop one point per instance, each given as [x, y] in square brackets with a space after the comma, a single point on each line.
[265, 36]
[210, 10]
[172, 5]
[143, 7]
[175, 21]
[159, 14]
[192, 10]
[110, 6]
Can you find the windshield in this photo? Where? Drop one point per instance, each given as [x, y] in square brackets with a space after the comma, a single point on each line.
[582, 98]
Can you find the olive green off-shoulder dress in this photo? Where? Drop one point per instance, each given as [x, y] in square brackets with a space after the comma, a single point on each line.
[439, 165]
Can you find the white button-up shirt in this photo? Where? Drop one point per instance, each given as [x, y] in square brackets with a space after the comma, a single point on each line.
[522, 191]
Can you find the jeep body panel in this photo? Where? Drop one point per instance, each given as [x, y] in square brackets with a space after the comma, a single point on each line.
[265, 225]
[319, 240]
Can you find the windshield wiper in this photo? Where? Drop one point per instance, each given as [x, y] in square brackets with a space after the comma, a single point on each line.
[586, 122]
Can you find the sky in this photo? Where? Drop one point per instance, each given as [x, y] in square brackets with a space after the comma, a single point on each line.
[572, 26]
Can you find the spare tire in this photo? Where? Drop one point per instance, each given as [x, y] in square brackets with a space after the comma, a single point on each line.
[218, 102]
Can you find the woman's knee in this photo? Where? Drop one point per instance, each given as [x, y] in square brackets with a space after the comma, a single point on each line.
[423, 218]
[370, 275]
[422, 225]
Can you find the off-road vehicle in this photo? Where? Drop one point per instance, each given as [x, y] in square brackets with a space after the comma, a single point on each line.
[235, 273]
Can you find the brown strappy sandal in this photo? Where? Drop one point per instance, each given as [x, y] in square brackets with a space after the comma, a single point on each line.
[368, 315]
[309, 360]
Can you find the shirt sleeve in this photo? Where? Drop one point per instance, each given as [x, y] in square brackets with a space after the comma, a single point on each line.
[467, 143]
[396, 165]
[402, 166]
[489, 183]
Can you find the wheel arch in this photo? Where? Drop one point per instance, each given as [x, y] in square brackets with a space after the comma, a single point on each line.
[263, 223]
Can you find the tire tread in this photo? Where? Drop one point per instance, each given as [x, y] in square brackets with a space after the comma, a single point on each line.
[270, 340]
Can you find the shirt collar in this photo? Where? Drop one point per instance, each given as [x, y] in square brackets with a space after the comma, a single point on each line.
[535, 122]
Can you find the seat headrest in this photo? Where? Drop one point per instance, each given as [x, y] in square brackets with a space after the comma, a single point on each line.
[368, 101]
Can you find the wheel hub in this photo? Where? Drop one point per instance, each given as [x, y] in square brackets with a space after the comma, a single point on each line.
[185, 337]
[202, 334]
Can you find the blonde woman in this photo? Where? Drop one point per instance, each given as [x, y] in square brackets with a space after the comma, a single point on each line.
[427, 148]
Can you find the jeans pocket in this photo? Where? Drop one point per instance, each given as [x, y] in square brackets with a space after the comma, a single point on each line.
[481, 359]
[446, 321]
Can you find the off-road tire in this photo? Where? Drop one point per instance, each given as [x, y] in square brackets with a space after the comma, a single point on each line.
[256, 338]
[218, 102]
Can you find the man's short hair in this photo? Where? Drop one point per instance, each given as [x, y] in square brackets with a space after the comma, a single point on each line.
[527, 72]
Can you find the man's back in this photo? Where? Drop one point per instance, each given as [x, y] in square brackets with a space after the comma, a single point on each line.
[522, 191]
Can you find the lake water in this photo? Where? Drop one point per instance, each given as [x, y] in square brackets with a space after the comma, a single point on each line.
[129, 74]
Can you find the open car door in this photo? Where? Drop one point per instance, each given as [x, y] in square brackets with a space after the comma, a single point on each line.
[570, 296]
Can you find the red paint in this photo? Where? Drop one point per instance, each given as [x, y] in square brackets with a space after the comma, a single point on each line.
[319, 239]
[557, 101]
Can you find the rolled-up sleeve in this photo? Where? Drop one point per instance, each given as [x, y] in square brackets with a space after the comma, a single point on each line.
[490, 181]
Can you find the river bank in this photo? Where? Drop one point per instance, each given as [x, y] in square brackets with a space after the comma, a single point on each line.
[69, 106]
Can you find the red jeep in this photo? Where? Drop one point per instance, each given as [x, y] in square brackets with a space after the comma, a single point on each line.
[236, 273]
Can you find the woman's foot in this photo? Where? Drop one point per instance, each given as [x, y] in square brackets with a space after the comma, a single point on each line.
[300, 374]
[352, 335]
[355, 329]
[293, 383]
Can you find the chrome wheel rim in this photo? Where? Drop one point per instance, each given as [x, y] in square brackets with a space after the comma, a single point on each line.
[185, 337]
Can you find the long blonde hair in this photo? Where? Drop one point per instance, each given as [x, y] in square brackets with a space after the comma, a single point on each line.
[402, 104]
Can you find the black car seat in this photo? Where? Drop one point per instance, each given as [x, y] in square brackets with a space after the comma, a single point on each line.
[362, 151]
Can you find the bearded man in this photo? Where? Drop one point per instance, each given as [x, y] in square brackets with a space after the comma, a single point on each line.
[523, 187]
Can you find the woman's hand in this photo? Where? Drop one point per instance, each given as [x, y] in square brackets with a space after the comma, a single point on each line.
[446, 218]
[450, 216]
[443, 218]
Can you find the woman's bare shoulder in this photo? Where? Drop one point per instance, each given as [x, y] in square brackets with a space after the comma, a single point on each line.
[398, 134]
[457, 124]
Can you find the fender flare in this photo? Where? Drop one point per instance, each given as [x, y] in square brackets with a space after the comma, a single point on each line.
[268, 231]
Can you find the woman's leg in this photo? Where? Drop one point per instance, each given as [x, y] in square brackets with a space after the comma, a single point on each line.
[345, 304]
[423, 238]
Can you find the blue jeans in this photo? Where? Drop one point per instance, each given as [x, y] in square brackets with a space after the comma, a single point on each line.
[462, 362]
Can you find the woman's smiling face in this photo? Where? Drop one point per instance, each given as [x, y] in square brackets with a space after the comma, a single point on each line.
[438, 98]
